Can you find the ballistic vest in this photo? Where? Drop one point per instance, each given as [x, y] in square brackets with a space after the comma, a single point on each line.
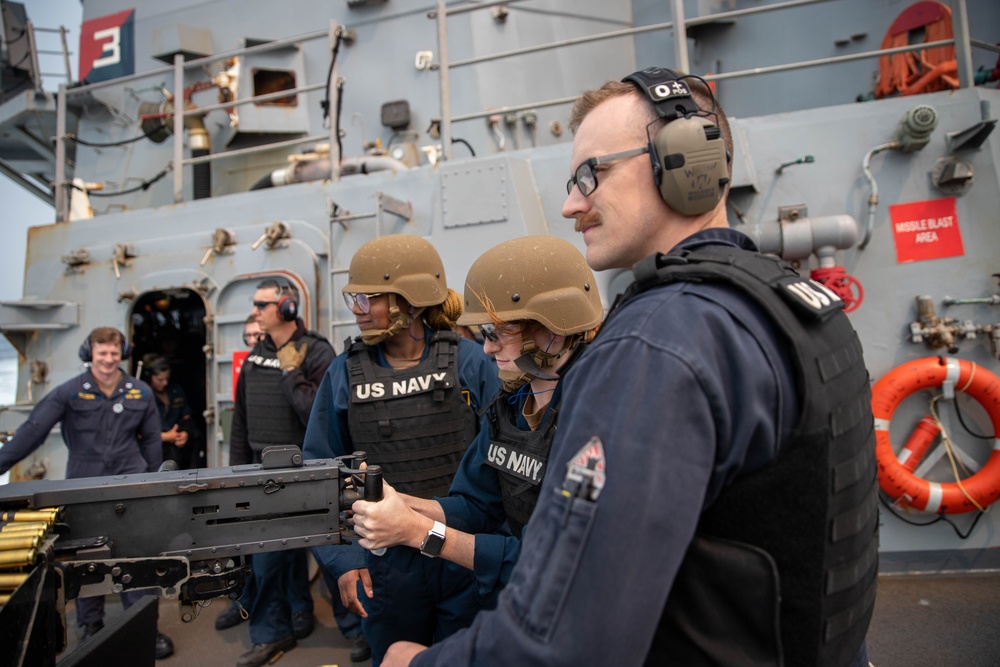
[415, 423]
[520, 458]
[782, 570]
[271, 420]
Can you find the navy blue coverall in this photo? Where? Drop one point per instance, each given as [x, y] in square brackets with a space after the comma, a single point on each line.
[119, 435]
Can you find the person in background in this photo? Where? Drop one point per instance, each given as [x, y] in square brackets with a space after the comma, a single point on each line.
[406, 392]
[252, 333]
[174, 410]
[536, 302]
[274, 396]
[716, 481]
[110, 426]
[299, 595]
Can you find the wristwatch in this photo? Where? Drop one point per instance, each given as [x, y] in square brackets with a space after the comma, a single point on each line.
[432, 544]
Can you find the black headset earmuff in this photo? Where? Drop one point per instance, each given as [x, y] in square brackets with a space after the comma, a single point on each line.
[690, 161]
[288, 307]
[87, 355]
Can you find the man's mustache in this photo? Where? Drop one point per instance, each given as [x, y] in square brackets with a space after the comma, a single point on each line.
[586, 220]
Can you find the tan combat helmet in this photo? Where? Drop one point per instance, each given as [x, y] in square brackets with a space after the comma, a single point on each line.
[539, 279]
[535, 278]
[399, 264]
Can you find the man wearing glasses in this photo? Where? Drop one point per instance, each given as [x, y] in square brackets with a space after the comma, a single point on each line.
[406, 391]
[274, 396]
[713, 479]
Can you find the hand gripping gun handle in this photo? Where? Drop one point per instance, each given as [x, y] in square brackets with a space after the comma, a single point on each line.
[357, 483]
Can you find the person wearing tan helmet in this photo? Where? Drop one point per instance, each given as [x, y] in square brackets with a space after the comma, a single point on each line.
[406, 391]
[535, 301]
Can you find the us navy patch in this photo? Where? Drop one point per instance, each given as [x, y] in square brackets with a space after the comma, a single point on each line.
[373, 391]
[520, 464]
[810, 297]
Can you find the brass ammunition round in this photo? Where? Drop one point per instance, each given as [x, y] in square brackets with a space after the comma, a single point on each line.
[17, 558]
[4, 599]
[19, 542]
[30, 515]
[26, 527]
[9, 582]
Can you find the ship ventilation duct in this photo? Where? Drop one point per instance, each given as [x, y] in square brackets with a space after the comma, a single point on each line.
[319, 169]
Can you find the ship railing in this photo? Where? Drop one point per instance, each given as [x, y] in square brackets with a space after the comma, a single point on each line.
[31, 34]
[177, 70]
[960, 19]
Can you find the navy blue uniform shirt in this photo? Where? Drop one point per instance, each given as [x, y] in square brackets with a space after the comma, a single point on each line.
[687, 387]
[105, 436]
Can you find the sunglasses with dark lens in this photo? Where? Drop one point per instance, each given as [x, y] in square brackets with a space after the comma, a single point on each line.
[361, 300]
[261, 305]
[492, 332]
[585, 177]
[253, 338]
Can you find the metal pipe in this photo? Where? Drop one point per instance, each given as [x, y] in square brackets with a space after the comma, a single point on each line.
[631, 31]
[472, 8]
[36, 70]
[827, 61]
[513, 109]
[62, 200]
[963, 50]
[256, 149]
[873, 188]
[444, 82]
[69, 71]
[260, 98]
[680, 36]
[178, 128]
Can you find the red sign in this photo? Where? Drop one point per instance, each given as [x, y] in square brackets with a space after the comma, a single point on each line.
[107, 47]
[238, 358]
[926, 230]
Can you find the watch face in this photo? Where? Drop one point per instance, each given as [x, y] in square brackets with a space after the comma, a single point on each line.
[432, 544]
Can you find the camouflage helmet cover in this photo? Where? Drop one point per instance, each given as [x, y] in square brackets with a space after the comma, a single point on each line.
[539, 278]
[401, 264]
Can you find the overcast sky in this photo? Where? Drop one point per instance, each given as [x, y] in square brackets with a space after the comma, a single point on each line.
[19, 209]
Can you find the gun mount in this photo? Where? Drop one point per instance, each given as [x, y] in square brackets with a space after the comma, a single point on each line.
[186, 533]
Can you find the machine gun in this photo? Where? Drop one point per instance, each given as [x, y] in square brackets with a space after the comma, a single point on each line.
[184, 532]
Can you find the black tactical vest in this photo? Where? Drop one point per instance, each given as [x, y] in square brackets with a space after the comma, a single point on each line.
[416, 423]
[271, 420]
[520, 458]
[783, 568]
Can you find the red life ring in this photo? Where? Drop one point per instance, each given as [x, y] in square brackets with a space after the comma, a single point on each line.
[896, 477]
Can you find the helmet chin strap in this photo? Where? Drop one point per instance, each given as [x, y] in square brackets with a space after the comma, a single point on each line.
[398, 320]
[532, 362]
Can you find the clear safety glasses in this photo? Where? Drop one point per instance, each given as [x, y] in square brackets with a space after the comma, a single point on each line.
[362, 301]
[585, 177]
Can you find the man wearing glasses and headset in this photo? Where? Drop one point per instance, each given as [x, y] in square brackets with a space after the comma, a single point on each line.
[274, 397]
[713, 479]
[406, 392]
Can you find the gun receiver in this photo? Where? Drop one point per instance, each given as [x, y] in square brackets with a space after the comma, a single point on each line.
[185, 532]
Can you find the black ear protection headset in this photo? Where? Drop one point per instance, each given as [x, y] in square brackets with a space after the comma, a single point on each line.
[87, 354]
[690, 161]
[288, 307]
